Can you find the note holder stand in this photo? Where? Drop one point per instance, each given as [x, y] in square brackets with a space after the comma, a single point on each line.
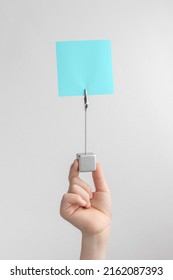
[87, 161]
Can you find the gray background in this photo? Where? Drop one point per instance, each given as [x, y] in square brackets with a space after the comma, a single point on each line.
[131, 132]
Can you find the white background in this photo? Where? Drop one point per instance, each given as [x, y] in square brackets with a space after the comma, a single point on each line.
[131, 132]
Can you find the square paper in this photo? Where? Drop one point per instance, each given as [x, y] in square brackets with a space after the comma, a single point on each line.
[84, 65]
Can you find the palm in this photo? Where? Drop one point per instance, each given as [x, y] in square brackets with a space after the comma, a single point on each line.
[92, 220]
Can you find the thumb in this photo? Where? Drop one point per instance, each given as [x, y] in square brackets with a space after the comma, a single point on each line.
[99, 179]
[74, 170]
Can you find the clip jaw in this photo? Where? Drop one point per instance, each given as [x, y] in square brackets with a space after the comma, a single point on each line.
[86, 101]
[87, 161]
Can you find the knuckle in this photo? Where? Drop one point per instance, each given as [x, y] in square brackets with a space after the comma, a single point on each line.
[77, 198]
[88, 189]
[87, 195]
[74, 180]
[64, 196]
[73, 188]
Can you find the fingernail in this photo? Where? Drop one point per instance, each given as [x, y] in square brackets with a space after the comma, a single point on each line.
[84, 203]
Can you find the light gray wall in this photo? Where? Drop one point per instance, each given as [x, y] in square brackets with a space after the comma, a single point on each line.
[130, 132]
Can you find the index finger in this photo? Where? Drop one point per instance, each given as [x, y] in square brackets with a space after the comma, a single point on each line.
[74, 170]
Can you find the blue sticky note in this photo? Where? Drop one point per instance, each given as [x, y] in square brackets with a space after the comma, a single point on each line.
[84, 65]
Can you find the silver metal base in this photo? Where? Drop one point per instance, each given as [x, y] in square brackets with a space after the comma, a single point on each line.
[87, 162]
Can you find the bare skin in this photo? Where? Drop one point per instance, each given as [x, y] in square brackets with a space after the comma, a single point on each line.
[89, 211]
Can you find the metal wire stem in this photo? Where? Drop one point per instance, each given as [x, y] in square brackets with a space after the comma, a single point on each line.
[85, 131]
[86, 103]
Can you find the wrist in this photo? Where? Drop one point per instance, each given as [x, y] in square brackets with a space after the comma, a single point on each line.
[94, 246]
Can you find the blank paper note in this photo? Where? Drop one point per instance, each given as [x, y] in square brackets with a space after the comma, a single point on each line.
[84, 65]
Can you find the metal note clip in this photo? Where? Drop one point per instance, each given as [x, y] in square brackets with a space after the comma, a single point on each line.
[87, 161]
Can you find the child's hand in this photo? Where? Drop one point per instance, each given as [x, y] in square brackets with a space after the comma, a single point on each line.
[88, 211]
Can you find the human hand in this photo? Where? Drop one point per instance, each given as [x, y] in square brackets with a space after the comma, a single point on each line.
[88, 211]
